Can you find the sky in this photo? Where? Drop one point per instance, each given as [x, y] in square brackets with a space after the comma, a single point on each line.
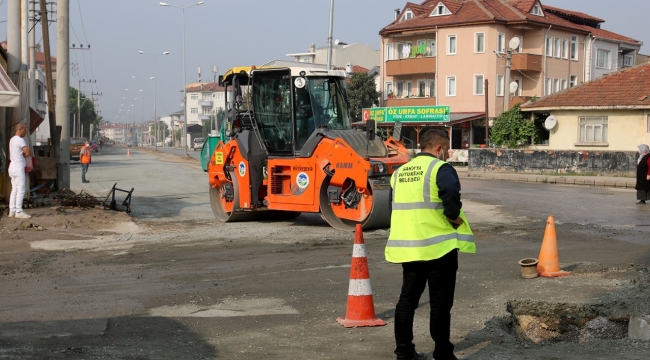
[226, 33]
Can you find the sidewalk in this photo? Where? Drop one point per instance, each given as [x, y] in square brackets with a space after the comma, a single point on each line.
[593, 181]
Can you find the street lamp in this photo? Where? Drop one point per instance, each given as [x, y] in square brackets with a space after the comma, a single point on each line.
[184, 80]
[155, 117]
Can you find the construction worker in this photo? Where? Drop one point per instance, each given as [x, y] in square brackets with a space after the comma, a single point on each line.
[428, 228]
[84, 159]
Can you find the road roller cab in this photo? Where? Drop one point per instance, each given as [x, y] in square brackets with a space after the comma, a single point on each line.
[290, 148]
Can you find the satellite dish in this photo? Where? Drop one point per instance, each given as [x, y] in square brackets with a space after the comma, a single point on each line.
[514, 86]
[337, 41]
[514, 43]
[550, 122]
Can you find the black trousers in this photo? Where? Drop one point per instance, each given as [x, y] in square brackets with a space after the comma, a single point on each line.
[440, 274]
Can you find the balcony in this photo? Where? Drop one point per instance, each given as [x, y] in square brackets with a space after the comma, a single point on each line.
[413, 101]
[527, 62]
[204, 117]
[205, 103]
[411, 66]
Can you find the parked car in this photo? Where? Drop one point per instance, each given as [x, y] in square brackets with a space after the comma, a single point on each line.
[198, 144]
[75, 147]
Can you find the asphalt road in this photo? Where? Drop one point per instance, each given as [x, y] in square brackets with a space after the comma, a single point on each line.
[179, 285]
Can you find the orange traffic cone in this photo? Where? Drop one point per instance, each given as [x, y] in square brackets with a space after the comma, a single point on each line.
[549, 265]
[128, 151]
[361, 308]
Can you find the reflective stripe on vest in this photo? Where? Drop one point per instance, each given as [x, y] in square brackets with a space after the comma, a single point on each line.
[419, 229]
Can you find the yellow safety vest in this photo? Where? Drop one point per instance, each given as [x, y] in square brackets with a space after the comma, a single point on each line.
[419, 230]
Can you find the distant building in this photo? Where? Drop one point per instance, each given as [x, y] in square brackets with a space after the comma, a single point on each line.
[203, 100]
[441, 52]
[342, 53]
[610, 113]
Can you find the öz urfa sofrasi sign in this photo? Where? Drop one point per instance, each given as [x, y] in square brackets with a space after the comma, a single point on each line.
[408, 114]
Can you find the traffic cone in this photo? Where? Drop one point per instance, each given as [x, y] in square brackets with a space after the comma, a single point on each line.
[549, 265]
[128, 151]
[360, 308]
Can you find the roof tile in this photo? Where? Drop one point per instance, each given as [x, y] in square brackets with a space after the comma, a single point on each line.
[625, 88]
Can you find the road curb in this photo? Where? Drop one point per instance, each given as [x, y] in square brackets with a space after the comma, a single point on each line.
[622, 184]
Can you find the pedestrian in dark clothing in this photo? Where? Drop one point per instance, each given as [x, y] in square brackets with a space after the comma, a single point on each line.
[428, 228]
[643, 175]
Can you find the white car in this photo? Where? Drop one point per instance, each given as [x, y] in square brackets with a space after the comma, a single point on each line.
[198, 144]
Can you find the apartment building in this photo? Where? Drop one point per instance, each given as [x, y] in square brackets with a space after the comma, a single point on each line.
[203, 100]
[441, 52]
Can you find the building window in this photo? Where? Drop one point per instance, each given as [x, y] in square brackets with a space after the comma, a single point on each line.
[440, 10]
[500, 87]
[207, 111]
[194, 110]
[478, 84]
[537, 10]
[649, 123]
[409, 89]
[400, 89]
[565, 49]
[408, 14]
[603, 59]
[564, 84]
[556, 47]
[389, 52]
[206, 96]
[194, 96]
[593, 130]
[451, 44]
[422, 88]
[573, 80]
[431, 48]
[451, 86]
[479, 42]
[432, 88]
[501, 42]
[403, 50]
[628, 60]
[549, 46]
[574, 47]
[547, 87]
[389, 90]
[39, 93]
[556, 85]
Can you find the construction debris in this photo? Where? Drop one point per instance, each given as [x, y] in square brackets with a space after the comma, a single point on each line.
[82, 200]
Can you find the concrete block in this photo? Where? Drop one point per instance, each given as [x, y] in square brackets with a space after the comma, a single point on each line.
[639, 328]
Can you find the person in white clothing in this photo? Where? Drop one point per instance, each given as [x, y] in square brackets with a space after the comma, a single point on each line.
[18, 151]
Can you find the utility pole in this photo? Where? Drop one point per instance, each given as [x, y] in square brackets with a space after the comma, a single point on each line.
[506, 100]
[63, 90]
[486, 90]
[329, 38]
[54, 136]
[32, 55]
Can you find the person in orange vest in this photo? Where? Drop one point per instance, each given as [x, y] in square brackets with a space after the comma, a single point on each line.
[84, 158]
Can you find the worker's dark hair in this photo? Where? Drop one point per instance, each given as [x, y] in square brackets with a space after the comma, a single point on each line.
[431, 138]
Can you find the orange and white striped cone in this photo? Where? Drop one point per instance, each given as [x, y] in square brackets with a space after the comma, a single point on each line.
[128, 152]
[360, 308]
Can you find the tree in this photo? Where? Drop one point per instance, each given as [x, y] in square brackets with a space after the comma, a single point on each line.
[362, 93]
[88, 113]
[511, 129]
